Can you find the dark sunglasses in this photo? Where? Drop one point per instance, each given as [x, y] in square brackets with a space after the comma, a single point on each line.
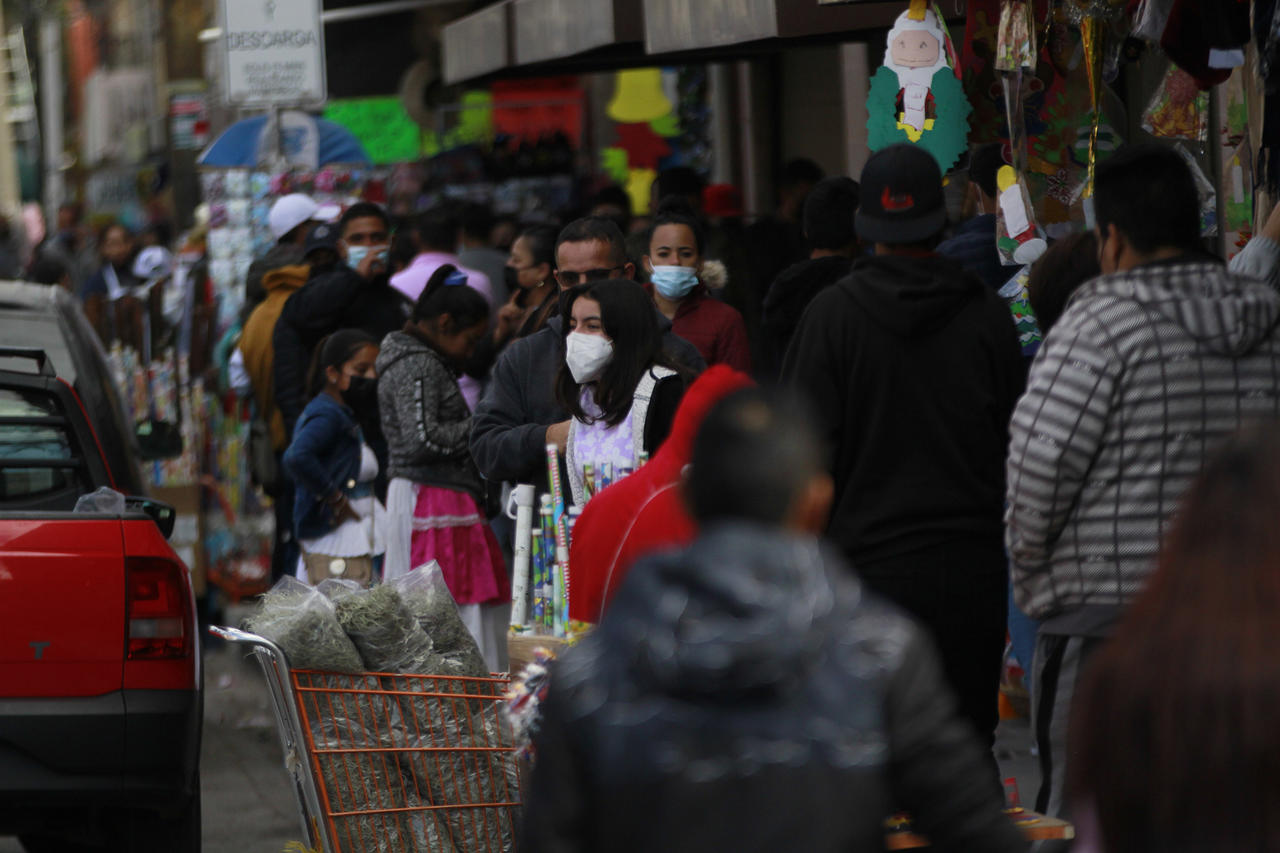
[573, 279]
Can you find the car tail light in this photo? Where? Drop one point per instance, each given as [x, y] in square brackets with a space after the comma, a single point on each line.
[158, 621]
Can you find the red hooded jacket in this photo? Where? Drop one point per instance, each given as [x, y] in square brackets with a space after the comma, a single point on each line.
[644, 512]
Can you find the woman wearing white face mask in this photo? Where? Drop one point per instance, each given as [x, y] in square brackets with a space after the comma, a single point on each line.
[621, 389]
[674, 263]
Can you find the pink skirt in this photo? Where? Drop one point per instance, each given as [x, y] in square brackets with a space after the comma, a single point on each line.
[449, 528]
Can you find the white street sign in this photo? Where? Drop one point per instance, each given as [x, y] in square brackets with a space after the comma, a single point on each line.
[274, 51]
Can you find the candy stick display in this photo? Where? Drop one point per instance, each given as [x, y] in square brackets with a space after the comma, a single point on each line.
[546, 550]
[524, 533]
[562, 579]
[589, 487]
[606, 475]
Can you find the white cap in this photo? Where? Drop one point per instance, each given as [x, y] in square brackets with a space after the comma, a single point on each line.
[153, 262]
[289, 212]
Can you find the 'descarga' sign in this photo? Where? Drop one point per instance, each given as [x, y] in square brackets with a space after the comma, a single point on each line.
[274, 52]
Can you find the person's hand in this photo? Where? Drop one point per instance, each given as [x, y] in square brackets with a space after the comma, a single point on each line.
[558, 434]
[372, 264]
[508, 319]
[343, 511]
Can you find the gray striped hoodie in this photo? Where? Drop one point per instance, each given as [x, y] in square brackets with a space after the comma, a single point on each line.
[1145, 374]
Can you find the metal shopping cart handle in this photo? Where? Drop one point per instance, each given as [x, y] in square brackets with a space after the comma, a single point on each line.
[235, 635]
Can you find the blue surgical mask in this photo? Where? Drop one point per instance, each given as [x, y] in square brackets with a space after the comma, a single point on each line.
[674, 283]
[356, 254]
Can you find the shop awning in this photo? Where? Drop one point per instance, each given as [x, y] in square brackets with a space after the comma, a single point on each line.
[520, 37]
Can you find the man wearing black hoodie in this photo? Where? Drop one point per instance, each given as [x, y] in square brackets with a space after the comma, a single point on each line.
[914, 368]
[828, 228]
[747, 693]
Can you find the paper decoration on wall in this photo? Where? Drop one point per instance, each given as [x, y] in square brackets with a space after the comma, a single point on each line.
[638, 96]
[1018, 238]
[915, 96]
[1237, 206]
[1178, 109]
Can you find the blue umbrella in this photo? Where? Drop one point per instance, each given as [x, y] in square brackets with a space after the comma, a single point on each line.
[247, 144]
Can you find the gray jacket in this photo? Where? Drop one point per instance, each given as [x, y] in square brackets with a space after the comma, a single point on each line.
[424, 417]
[1143, 377]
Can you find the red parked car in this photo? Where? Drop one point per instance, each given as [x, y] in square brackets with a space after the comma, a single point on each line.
[100, 675]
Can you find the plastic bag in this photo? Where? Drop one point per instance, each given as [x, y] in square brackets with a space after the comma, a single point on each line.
[302, 622]
[104, 500]
[1178, 109]
[427, 596]
[387, 635]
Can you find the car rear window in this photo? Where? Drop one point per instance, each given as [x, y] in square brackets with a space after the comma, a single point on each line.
[39, 466]
[27, 328]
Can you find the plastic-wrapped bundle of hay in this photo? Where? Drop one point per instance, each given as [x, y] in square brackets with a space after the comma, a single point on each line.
[459, 753]
[367, 781]
[387, 636]
[303, 623]
[427, 595]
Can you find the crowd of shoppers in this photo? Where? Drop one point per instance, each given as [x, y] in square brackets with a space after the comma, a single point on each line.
[821, 640]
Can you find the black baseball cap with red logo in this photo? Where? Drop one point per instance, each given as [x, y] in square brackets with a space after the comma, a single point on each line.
[901, 198]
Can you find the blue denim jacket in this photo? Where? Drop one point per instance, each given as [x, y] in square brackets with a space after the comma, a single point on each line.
[323, 457]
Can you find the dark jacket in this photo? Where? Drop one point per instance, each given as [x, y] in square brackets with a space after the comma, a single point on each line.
[748, 694]
[714, 328]
[973, 246]
[912, 367]
[323, 458]
[509, 431]
[788, 296]
[424, 417]
[335, 300]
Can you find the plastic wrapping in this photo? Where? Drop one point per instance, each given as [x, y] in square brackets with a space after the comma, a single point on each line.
[427, 596]
[1178, 109]
[104, 500]
[369, 780]
[386, 633]
[302, 622]
[459, 753]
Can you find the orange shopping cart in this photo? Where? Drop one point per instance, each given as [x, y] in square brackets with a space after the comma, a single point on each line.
[393, 762]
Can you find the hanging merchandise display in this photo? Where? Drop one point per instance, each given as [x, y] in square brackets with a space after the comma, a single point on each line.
[1207, 39]
[1018, 237]
[916, 95]
[1178, 109]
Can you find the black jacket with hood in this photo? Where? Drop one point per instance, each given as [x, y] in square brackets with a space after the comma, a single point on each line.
[748, 694]
[789, 296]
[509, 430]
[913, 368]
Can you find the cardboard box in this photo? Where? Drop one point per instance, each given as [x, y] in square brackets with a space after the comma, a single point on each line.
[188, 530]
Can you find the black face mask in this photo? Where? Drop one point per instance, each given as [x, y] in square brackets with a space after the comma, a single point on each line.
[511, 277]
[362, 395]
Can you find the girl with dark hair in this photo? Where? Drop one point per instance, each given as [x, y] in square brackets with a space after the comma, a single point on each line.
[339, 523]
[617, 382]
[436, 494]
[1174, 746]
[674, 263]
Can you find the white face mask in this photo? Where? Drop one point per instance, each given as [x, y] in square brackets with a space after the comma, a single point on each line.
[587, 356]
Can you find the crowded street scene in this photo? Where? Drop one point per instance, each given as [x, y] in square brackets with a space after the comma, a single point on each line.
[496, 426]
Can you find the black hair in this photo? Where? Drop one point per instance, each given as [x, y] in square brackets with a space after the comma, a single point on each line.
[403, 250]
[613, 195]
[800, 170]
[679, 180]
[360, 210]
[1065, 266]
[476, 220]
[542, 244]
[596, 228]
[1147, 192]
[437, 228]
[113, 225]
[48, 269]
[629, 319]
[464, 305]
[984, 168]
[335, 350]
[675, 210]
[829, 211]
[753, 455]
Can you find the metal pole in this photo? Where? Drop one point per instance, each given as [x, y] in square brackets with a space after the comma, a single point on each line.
[10, 198]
